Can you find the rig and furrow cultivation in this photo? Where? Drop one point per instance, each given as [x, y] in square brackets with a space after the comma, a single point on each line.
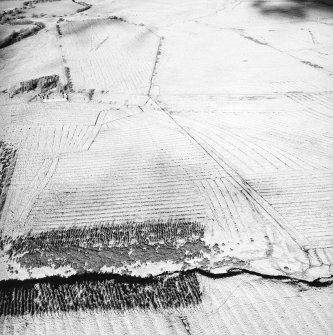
[319, 105]
[303, 199]
[26, 184]
[265, 143]
[109, 54]
[51, 139]
[166, 167]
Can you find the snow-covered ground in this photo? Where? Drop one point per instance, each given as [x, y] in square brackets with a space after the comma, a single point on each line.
[216, 115]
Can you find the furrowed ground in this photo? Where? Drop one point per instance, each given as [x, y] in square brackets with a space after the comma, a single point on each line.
[145, 146]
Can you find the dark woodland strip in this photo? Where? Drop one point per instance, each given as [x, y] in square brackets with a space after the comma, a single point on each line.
[108, 236]
[7, 165]
[98, 292]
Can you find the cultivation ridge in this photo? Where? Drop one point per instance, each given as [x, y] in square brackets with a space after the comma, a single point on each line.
[166, 167]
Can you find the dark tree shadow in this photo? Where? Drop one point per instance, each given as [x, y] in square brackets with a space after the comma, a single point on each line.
[292, 8]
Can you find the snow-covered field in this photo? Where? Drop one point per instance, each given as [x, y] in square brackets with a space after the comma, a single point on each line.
[109, 55]
[31, 58]
[197, 135]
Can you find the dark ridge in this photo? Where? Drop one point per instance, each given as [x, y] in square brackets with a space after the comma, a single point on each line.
[43, 84]
[85, 5]
[238, 271]
[254, 39]
[7, 165]
[91, 93]
[98, 291]
[29, 4]
[69, 79]
[16, 36]
[316, 66]
[107, 236]
[116, 18]
[58, 30]
[292, 8]
[10, 15]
